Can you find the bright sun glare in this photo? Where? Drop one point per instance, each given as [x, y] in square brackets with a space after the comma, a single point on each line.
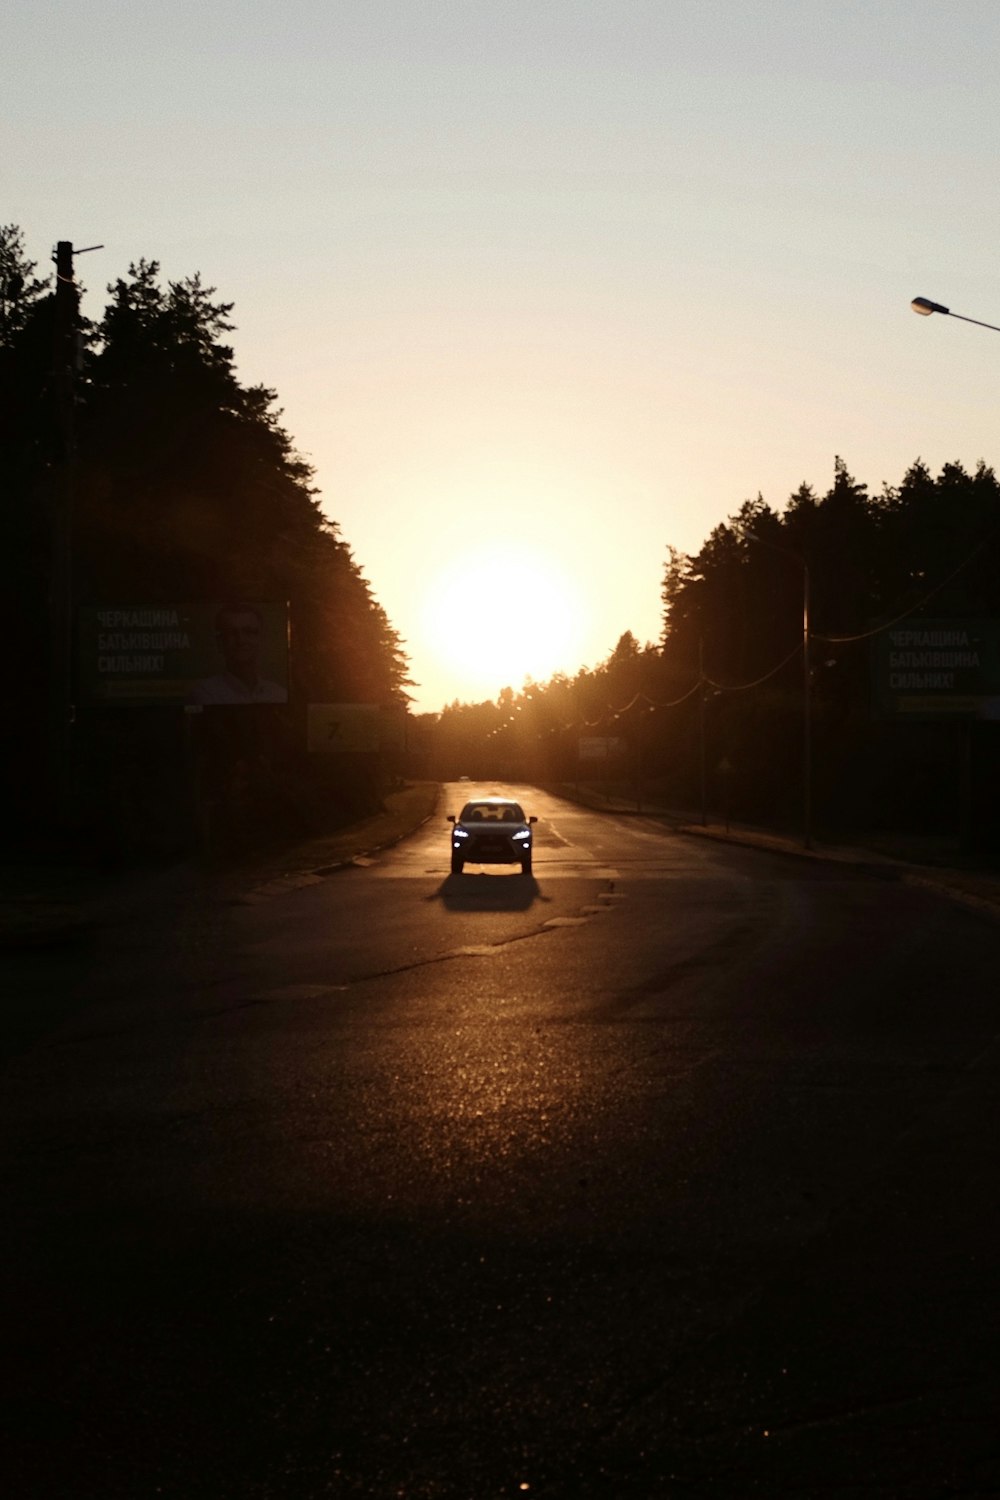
[501, 614]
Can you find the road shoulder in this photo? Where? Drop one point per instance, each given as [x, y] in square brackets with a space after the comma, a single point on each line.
[59, 905]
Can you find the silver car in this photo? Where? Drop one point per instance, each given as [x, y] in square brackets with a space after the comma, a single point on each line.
[491, 831]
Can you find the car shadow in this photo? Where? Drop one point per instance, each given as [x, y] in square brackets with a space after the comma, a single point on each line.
[484, 892]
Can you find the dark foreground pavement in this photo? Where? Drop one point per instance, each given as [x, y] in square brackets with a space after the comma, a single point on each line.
[198, 1313]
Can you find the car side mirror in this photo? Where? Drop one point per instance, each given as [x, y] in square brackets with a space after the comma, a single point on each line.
[532, 820]
[451, 818]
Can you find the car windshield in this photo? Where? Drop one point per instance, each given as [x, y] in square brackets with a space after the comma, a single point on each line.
[491, 812]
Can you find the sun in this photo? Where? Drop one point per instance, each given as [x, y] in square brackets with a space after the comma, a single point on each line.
[501, 614]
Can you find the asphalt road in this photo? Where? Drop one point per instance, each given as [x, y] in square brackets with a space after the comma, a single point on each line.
[670, 1171]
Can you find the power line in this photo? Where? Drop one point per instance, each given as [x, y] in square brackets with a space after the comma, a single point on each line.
[843, 640]
[742, 687]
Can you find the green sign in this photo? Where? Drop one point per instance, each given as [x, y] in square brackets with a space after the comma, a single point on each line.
[600, 747]
[937, 669]
[354, 728]
[342, 728]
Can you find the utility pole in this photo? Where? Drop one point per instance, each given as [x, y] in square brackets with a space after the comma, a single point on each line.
[806, 686]
[806, 715]
[701, 729]
[61, 593]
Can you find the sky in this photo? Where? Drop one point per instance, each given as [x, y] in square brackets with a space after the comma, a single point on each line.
[543, 287]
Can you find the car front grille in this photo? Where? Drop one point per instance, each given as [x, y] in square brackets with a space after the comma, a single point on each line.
[491, 845]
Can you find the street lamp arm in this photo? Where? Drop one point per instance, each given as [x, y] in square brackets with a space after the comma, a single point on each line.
[784, 551]
[924, 306]
[977, 322]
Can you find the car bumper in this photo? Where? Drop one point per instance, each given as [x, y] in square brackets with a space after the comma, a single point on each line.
[491, 851]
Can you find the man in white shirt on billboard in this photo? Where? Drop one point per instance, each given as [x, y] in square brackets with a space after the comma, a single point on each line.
[239, 628]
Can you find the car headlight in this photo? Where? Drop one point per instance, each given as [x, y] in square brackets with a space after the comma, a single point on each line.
[461, 833]
[522, 835]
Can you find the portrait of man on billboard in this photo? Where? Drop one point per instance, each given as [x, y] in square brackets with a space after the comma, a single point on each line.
[239, 632]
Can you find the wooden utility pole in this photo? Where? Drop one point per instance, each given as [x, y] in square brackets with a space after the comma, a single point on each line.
[61, 567]
[61, 595]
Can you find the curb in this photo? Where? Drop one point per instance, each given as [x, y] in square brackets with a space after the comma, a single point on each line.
[316, 874]
[855, 859]
[953, 884]
[881, 866]
[986, 906]
[42, 926]
[34, 924]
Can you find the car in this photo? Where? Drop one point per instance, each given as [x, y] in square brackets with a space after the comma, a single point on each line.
[491, 831]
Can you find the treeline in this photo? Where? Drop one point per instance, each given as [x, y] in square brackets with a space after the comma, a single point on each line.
[713, 713]
[181, 484]
[136, 468]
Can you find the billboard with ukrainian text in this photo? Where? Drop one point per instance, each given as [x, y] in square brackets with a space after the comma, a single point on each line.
[937, 669]
[223, 653]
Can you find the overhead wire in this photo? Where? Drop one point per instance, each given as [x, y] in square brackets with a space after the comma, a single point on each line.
[742, 687]
[830, 640]
[703, 681]
[865, 635]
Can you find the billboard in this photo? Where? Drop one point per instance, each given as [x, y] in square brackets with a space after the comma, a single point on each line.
[937, 669]
[210, 654]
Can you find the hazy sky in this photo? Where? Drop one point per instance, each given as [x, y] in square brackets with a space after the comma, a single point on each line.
[545, 286]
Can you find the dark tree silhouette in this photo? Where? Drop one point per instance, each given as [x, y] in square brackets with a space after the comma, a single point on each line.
[725, 684]
[186, 487]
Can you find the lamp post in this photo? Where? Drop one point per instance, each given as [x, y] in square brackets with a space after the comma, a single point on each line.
[924, 306]
[806, 688]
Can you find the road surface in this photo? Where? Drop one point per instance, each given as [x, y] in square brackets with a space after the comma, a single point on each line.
[668, 1171]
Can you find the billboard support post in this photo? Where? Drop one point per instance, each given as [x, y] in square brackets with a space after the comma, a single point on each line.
[965, 839]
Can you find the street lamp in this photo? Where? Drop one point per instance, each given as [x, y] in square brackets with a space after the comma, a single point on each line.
[806, 688]
[924, 306]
